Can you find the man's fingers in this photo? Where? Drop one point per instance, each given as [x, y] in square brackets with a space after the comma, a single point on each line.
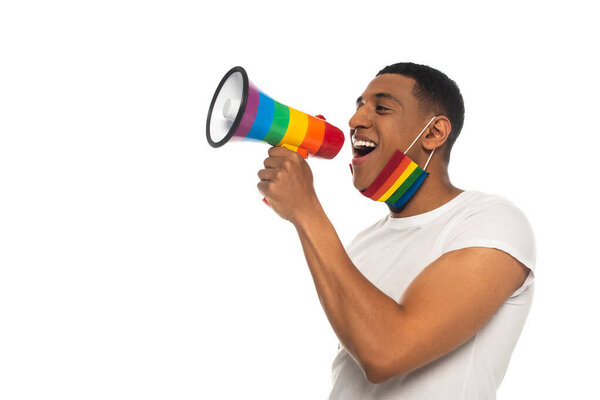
[268, 174]
[280, 156]
[263, 188]
[280, 163]
[277, 151]
[274, 162]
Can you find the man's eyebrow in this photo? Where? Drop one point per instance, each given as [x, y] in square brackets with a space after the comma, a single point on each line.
[381, 95]
[388, 96]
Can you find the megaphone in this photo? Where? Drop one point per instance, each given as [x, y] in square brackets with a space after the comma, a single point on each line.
[239, 110]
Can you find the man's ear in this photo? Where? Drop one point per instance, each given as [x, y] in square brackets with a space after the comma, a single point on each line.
[438, 133]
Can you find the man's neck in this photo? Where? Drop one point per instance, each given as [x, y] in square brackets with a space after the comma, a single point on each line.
[435, 191]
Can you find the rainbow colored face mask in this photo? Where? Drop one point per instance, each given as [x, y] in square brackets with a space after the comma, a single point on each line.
[399, 179]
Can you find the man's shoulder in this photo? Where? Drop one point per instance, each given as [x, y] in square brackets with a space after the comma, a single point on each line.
[477, 203]
[492, 221]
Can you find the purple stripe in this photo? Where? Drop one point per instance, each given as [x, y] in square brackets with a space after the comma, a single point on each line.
[249, 112]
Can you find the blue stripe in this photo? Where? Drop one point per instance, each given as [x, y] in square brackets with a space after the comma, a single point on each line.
[264, 117]
[410, 191]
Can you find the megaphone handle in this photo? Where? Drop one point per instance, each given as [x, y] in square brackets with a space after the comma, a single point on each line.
[298, 150]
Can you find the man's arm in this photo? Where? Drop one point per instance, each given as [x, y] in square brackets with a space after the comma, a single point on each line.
[445, 305]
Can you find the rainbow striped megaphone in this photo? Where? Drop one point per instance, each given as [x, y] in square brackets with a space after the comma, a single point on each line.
[238, 109]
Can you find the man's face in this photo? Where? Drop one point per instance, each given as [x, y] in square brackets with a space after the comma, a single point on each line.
[387, 118]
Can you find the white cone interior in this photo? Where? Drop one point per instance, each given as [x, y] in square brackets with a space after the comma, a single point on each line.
[226, 106]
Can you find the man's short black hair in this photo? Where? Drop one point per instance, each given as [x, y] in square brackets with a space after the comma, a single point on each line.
[435, 92]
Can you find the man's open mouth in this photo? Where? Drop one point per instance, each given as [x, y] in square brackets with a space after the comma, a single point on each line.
[362, 147]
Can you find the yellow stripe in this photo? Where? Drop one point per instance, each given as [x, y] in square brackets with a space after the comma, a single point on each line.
[409, 170]
[294, 135]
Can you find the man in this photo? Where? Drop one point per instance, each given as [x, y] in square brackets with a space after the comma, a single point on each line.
[429, 302]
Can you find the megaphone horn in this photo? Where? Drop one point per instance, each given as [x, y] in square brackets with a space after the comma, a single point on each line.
[238, 109]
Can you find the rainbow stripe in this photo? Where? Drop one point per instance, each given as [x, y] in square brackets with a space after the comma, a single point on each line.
[397, 182]
[279, 125]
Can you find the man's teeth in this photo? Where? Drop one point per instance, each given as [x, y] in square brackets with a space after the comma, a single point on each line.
[362, 143]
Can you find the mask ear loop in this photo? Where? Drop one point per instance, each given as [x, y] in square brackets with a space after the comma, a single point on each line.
[427, 163]
[417, 138]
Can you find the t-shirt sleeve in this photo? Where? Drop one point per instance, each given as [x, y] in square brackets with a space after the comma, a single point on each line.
[497, 224]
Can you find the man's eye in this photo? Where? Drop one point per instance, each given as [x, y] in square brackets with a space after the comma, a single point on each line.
[382, 108]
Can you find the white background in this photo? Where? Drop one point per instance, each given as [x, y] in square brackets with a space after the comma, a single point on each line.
[137, 262]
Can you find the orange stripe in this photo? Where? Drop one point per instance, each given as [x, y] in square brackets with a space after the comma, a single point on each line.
[392, 179]
[314, 135]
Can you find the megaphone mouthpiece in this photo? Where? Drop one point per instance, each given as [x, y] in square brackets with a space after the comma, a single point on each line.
[230, 109]
[248, 113]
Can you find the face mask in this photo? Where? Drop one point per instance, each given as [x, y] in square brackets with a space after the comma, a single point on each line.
[399, 179]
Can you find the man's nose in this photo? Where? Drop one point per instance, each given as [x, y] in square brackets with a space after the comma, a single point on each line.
[360, 119]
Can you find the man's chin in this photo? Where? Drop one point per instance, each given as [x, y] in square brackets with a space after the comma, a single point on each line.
[359, 184]
[363, 176]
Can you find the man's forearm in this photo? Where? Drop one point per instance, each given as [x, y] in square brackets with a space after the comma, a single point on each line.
[363, 317]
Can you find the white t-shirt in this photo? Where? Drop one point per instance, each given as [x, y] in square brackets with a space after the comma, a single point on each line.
[392, 252]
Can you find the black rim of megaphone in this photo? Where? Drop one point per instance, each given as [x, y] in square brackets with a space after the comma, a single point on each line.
[240, 113]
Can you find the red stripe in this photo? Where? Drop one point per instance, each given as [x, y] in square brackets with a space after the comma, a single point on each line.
[384, 174]
[392, 179]
[333, 140]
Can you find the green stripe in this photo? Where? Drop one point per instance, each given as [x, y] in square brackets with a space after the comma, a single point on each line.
[405, 185]
[279, 125]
